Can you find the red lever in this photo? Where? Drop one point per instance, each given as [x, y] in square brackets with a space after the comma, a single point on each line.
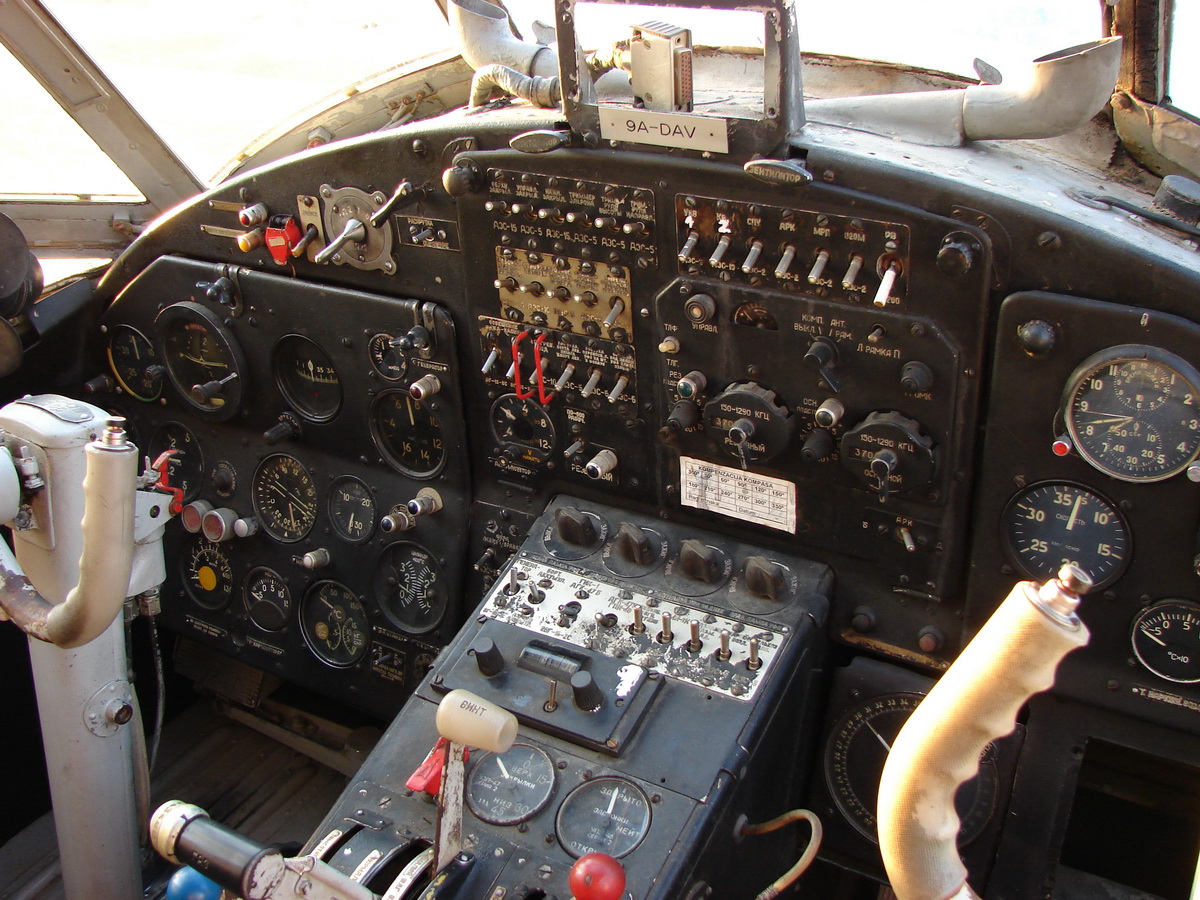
[162, 466]
[597, 876]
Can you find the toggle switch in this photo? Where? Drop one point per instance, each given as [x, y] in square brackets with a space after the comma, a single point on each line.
[818, 266]
[748, 263]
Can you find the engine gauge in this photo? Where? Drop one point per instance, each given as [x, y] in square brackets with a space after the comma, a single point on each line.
[268, 600]
[307, 378]
[203, 360]
[605, 815]
[409, 587]
[1053, 523]
[386, 357]
[522, 423]
[511, 787]
[334, 624]
[186, 467]
[1166, 640]
[284, 497]
[408, 434]
[207, 575]
[135, 364]
[859, 747]
[1132, 412]
[351, 509]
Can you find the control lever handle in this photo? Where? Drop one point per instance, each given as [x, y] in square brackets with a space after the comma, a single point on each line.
[354, 231]
[404, 194]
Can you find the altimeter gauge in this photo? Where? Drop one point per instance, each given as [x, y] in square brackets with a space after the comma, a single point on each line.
[1133, 412]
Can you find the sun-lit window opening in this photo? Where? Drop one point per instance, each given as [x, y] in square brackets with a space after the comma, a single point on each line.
[1183, 65]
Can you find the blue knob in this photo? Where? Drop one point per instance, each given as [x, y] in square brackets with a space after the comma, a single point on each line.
[188, 884]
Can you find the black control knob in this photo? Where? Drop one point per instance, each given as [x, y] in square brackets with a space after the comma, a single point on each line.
[887, 452]
[765, 578]
[818, 445]
[957, 254]
[700, 308]
[822, 357]
[748, 421]
[283, 430]
[916, 377]
[488, 657]
[575, 527]
[634, 545]
[684, 415]
[587, 694]
[461, 178]
[700, 562]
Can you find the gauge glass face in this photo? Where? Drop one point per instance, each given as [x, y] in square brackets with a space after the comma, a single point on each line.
[352, 509]
[185, 470]
[386, 357]
[334, 623]
[135, 363]
[407, 434]
[1166, 640]
[858, 749]
[510, 787]
[1051, 524]
[755, 316]
[284, 497]
[604, 815]
[268, 600]
[208, 575]
[307, 378]
[522, 423]
[1132, 413]
[202, 358]
[409, 587]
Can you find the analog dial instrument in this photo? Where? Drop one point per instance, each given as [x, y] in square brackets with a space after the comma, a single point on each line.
[1131, 412]
[409, 587]
[351, 509]
[522, 423]
[307, 378]
[284, 497]
[334, 623]
[203, 360]
[386, 357]
[605, 815]
[1166, 640]
[408, 434]
[1054, 523]
[135, 363]
[208, 574]
[511, 787]
[268, 600]
[858, 749]
[185, 469]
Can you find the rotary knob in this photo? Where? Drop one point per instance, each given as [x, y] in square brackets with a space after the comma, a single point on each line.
[887, 452]
[749, 422]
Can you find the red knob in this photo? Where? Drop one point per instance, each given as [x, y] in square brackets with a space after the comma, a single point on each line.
[597, 876]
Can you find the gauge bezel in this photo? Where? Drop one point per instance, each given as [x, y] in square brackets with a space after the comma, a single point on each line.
[335, 520]
[384, 446]
[306, 603]
[251, 577]
[372, 354]
[583, 791]
[1150, 610]
[188, 311]
[195, 547]
[261, 508]
[383, 597]
[1120, 354]
[542, 802]
[1007, 520]
[115, 332]
[285, 350]
[529, 410]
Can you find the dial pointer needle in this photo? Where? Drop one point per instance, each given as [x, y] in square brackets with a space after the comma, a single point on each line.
[886, 745]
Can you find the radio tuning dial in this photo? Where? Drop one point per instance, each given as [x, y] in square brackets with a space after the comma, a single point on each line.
[748, 421]
[888, 453]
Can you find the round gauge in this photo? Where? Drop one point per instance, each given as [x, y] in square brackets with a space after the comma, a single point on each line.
[409, 587]
[307, 378]
[284, 497]
[1166, 640]
[755, 315]
[522, 423]
[386, 357]
[1131, 412]
[605, 815]
[510, 787]
[408, 434]
[1054, 523]
[858, 749]
[207, 574]
[135, 364]
[203, 359]
[185, 470]
[268, 600]
[351, 509]
[334, 623]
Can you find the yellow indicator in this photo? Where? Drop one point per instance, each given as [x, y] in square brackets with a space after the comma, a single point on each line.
[207, 578]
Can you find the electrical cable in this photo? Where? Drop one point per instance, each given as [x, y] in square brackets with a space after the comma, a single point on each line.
[789, 877]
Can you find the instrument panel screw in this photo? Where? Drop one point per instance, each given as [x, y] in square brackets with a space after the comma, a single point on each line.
[1049, 240]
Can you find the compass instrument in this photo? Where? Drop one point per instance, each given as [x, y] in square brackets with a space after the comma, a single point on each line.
[307, 378]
